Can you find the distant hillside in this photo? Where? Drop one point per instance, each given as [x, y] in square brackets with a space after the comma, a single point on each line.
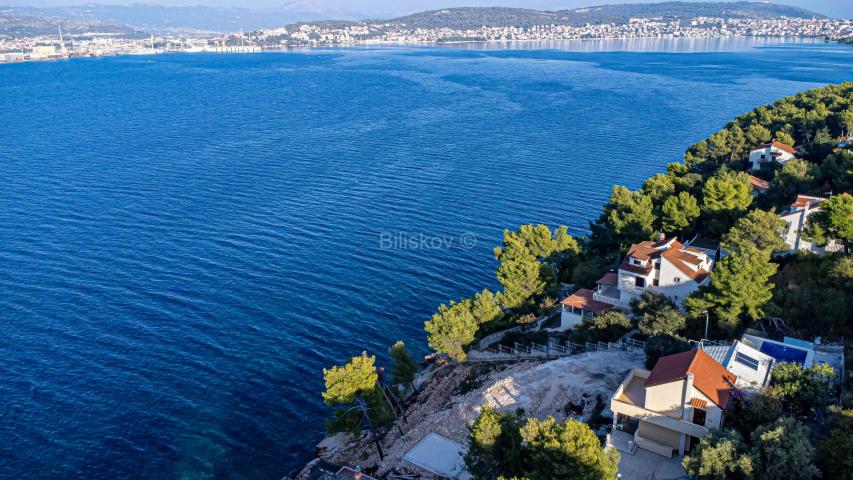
[160, 18]
[21, 21]
[27, 26]
[471, 17]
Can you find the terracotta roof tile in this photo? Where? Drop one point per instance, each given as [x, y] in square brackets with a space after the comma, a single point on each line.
[804, 200]
[583, 299]
[698, 403]
[681, 259]
[642, 250]
[639, 270]
[709, 377]
[758, 184]
[609, 278]
[778, 145]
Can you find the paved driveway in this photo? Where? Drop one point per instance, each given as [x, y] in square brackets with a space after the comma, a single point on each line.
[642, 464]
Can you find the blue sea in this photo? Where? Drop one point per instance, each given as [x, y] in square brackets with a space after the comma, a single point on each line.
[186, 241]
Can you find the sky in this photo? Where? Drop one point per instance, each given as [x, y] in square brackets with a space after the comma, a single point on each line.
[834, 8]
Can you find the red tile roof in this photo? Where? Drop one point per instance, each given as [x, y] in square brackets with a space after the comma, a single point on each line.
[680, 259]
[758, 184]
[803, 200]
[776, 144]
[698, 403]
[709, 377]
[583, 299]
[609, 278]
[642, 250]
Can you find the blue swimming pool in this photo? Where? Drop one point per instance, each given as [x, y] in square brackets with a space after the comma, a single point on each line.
[784, 353]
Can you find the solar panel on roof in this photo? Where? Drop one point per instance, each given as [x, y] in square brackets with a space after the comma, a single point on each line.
[746, 360]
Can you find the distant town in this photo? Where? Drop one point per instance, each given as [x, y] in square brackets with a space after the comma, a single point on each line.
[327, 34]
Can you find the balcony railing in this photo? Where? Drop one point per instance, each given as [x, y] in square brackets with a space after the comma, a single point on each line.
[608, 299]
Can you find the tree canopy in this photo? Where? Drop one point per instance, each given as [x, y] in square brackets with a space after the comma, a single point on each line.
[803, 389]
[740, 288]
[452, 329]
[494, 445]
[719, 456]
[504, 445]
[568, 449]
[679, 212]
[657, 314]
[761, 229]
[782, 451]
[344, 383]
[405, 367]
[835, 450]
[352, 388]
[627, 218]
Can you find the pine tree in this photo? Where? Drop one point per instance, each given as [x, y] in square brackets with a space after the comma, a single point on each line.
[452, 329]
[679, 212]
[485, 307]
[793, 178]
[756, 134]
[565, 450]
[627, 218]
[725, 198]
[761, 229]
[353, 388]
[719, 456]
[494, 445]
[523, 279]
[405, 367]
[782, 451]
[740, 288]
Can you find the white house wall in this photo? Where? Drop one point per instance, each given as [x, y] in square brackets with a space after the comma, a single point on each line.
[667, 285]
[713, 413]
[665, 398]
[569, 319]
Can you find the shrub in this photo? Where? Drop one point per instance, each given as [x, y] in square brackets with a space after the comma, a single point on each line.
[719, 456]
[803, 389]
[782, 451]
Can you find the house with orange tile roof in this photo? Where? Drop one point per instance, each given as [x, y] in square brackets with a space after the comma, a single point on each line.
[796, 217]
[667, 267]
[580, 305]
[673, 406]
[768, 153]
[758, 185]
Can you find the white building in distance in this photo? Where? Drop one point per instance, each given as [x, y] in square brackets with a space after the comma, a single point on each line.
[770, 152]
[796, 217]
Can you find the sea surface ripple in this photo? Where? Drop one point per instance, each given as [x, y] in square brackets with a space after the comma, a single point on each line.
[186, 241]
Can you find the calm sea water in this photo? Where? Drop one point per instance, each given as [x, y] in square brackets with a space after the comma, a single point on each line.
[186, 241]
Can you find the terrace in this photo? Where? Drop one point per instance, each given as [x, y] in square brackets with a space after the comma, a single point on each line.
[628, 406]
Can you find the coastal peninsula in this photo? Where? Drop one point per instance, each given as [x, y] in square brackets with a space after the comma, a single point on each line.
[731, 274]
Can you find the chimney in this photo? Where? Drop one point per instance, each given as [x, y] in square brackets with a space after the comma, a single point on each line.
[661, 237]
[685, 399]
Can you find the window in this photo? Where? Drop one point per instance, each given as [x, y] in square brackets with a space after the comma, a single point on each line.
[677, 279]
[640, 281]
[746, 361]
